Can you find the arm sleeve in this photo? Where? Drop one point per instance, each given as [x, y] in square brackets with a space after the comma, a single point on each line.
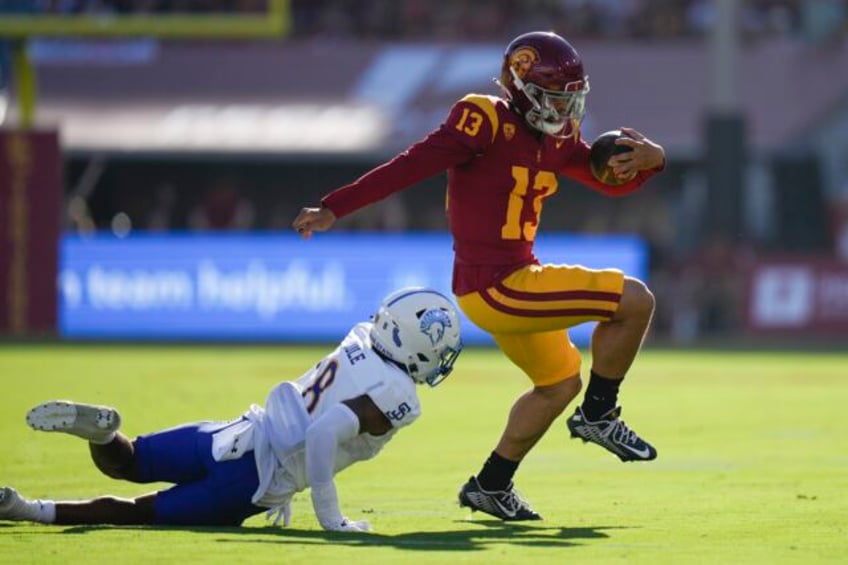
[445, 147]
[434, 154]
[578, 169]
[323, 436]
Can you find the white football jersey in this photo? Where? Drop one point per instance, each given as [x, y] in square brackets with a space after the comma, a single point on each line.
[352, 370]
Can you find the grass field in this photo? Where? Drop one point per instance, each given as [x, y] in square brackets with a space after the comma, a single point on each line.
[752, 467]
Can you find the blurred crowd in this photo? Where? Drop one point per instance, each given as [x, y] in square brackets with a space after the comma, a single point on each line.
[485, 20]
[475, 20]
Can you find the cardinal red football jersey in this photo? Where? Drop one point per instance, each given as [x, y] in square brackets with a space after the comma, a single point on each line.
[500, 172]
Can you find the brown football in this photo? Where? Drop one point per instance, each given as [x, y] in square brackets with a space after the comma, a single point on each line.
[602, 149]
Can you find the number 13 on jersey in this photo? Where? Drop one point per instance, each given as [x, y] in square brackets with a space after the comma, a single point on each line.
[470, 122]
[544, 184]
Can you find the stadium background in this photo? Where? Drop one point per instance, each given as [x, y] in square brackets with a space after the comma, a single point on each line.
[746, 233]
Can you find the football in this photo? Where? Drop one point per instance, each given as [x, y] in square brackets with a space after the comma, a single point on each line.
[602, 149]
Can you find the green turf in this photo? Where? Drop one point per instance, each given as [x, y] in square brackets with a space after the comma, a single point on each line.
[753, 464]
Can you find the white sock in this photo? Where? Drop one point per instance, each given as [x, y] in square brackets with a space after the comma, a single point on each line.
[43, 511]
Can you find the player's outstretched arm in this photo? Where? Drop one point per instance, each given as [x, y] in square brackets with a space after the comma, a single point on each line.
[340, 423]
[323, 436]
[313, 219]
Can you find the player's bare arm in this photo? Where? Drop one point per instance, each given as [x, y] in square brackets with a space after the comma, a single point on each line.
[313, 219]
[645, 155]
[371, 419]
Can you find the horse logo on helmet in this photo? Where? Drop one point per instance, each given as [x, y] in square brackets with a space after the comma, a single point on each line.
[433, 324]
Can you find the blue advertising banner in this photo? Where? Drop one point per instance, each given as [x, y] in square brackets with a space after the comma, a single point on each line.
[272, 287]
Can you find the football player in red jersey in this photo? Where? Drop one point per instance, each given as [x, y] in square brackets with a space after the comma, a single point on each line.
[503, 156]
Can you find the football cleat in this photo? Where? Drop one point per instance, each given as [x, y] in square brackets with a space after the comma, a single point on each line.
[12, 506]
[611, 433]
[93, 423]
[504, 504]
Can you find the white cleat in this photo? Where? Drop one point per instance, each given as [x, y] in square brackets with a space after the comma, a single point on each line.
[96, 424]
[11, 505]
[17, 508]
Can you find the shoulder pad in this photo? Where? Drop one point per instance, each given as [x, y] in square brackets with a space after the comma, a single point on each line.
[486, 103]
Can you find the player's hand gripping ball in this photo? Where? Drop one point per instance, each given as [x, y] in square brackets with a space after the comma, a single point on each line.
[602, 149]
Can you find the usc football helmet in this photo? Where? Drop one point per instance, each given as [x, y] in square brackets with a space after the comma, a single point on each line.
[418, 328]
[542, 75]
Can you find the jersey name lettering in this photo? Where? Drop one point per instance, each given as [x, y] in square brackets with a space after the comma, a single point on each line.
[354, 353]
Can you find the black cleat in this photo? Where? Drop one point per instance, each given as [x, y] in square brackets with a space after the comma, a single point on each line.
[504, 504]
[611, 433]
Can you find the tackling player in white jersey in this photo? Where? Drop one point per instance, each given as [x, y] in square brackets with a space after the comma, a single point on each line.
[343, 410]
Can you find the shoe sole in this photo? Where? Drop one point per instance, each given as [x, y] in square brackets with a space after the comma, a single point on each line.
[575, 435]
[464, 502]
[9, 498]
[73, 417]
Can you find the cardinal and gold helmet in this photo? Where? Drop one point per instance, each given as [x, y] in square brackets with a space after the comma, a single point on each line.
[542, 75]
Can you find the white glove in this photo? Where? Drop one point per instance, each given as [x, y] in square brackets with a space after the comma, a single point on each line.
[283, 511]
[351, 526]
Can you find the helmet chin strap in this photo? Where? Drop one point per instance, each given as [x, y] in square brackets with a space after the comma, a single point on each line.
[552, 129]
[382, 355]
[573, 131]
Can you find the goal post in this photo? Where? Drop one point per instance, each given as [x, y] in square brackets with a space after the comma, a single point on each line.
[273, 21]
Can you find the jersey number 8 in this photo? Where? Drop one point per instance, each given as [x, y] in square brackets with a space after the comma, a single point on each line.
[324, 379]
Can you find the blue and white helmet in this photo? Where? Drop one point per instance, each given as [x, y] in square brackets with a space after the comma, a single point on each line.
[418, 328]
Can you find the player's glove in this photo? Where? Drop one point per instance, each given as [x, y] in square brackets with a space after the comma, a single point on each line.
[283, 512]
[326, 504]
[351, 526]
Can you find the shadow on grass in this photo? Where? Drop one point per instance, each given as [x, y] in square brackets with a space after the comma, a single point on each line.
[470, 536]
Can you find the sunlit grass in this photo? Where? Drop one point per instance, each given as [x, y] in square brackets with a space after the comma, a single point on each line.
[753, 463]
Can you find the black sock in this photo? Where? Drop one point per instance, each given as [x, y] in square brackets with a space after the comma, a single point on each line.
[496, 473]
[601, 396]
